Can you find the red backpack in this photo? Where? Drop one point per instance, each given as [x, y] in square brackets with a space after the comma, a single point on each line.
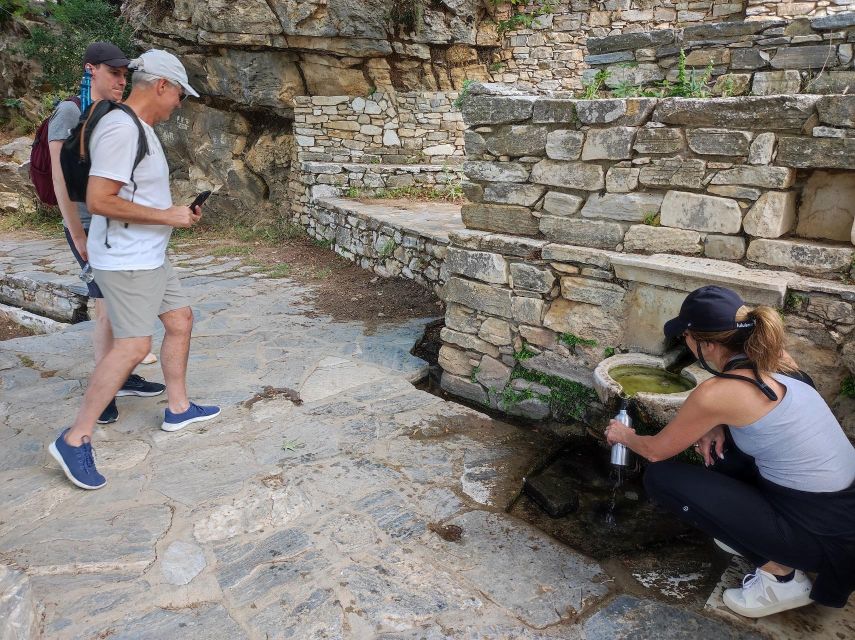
[40, 165]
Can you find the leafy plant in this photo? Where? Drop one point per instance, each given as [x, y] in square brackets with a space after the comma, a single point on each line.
[652, 219]
[13, 9]
[608, 352]
[388, 249]
[567, 399]
[74, 25]
[847, 387]
[572, 341]
[521, 19]
[407, 14]
[464, 93]
[591, 89]
[353, 192]
[525, 353]
[474, 375]
[795, 301]
[292, 445]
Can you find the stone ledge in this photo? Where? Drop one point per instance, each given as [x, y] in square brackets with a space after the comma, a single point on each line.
[687, 274]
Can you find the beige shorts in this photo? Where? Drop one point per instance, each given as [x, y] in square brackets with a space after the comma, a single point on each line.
[135, 299]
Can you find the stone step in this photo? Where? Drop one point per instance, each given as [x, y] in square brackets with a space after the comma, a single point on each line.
[45, 294]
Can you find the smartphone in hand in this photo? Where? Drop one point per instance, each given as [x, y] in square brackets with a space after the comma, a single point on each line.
[199, 201]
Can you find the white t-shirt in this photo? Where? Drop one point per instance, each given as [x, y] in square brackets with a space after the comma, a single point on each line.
[113, 148]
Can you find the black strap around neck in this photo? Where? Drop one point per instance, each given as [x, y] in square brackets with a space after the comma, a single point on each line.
[739, 363]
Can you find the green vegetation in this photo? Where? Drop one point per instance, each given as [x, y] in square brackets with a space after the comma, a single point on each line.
[568, 400]
[14, 9]
[353, 192]
[231, 250]
[608, 352]
[407, 14]
[464, 93]
[433, 192]
[74, 25]
[32, 214]
[795, 301]
[279, 270]
[473, 376]
[524, 353]
[847, 387]
[27, 361]
[323, 243]
[652, 219]
[521, 18]
[572, 341]
[689, 83]
[388, 249]
[292, 445]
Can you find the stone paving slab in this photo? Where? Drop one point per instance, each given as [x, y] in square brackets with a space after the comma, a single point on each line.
[276, 520]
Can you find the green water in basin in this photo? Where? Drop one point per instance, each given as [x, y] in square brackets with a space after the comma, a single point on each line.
[639, 378]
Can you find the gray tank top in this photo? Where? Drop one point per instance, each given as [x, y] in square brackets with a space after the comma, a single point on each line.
[799, 444]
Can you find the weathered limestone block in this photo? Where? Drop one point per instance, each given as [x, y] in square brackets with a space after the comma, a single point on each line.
[474, 143]
[728, 29]
[810, 153]
[517, 140]
[772, 216]
[587, 321]
[561, 204]
[468, 342]
[702, 57]
[493, 374]
[483, 297]
[506, 245]
[802, 257]
[499, 218]
[460, 318]
[632, 207]
[572, 175]
[809, 57]
[597, 292]
[485, 109]
[643, 238]
[719, 142]
[473, 191]
[495, 331]
[464, 388]
[673, 172]
[564, 144]
[827, 210]
[749, 59]
[528, 310]
[751, 112]
[762, 149]
[531, 278]
[639, 75]
[622, 179]
[724, 247]
[735, 191]
[454, 361]
[581, 255]
[613, 143]
[495, 171]
[659, 140]
[832, 82]
[586, 233]
[700, 213]
[480, 265]
[553, 110]
[631, 112]
[732, 84]
[538, 336]
[630, 41]
[837, 111]
[524, 195]
[757, 176]
[770, 83]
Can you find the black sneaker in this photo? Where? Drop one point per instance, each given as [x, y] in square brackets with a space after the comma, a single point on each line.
[110, 414]
[139, 386]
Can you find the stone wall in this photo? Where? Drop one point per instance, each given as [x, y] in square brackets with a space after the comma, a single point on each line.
[387, 245]
[765, 181]
[408, 128]
[549, 55]
[761, 57]
[620, 207]
[758, 9]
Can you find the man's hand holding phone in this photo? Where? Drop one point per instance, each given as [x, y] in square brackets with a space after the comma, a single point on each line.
[189, 215]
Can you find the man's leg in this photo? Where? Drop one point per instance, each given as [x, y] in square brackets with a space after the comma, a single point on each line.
[102, 337]
[174, 352]
[109, 375]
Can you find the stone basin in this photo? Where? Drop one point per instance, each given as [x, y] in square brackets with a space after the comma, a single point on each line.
[654, 409]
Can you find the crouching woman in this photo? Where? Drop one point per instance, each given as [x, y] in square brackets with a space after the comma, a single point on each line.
[778, 486]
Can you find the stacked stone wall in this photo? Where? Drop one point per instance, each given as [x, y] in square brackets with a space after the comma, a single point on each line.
[758, 9]
[764, 181]
[760, 57]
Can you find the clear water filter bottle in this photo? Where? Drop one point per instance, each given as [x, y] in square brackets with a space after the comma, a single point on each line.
[620, 454]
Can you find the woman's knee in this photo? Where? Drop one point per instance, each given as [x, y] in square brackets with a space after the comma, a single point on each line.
[661, 478]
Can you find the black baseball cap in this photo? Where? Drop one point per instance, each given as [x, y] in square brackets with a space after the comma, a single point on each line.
[710, 308]
[105, 53]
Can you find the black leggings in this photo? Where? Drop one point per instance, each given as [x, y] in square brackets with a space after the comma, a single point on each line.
[726, 502]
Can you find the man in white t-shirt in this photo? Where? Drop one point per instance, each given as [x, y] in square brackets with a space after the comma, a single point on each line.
[132, 219]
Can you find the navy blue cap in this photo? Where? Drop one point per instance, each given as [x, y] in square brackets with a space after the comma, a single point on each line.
[709, 308]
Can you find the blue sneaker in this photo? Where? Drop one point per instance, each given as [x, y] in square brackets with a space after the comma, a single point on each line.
[78, 463]
[196, 413]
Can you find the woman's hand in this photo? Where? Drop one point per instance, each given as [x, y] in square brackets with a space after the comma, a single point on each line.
[713, 438]
[618, 432]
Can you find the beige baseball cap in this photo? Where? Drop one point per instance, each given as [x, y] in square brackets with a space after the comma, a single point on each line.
[163, 64]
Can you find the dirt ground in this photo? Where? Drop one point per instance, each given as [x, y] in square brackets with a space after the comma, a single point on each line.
[10, 329]
[340, 288]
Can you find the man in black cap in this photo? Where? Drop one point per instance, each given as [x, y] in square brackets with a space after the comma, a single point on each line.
[105, 68]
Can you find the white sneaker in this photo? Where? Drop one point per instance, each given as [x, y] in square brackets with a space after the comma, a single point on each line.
[762, 595]
[727, 548]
